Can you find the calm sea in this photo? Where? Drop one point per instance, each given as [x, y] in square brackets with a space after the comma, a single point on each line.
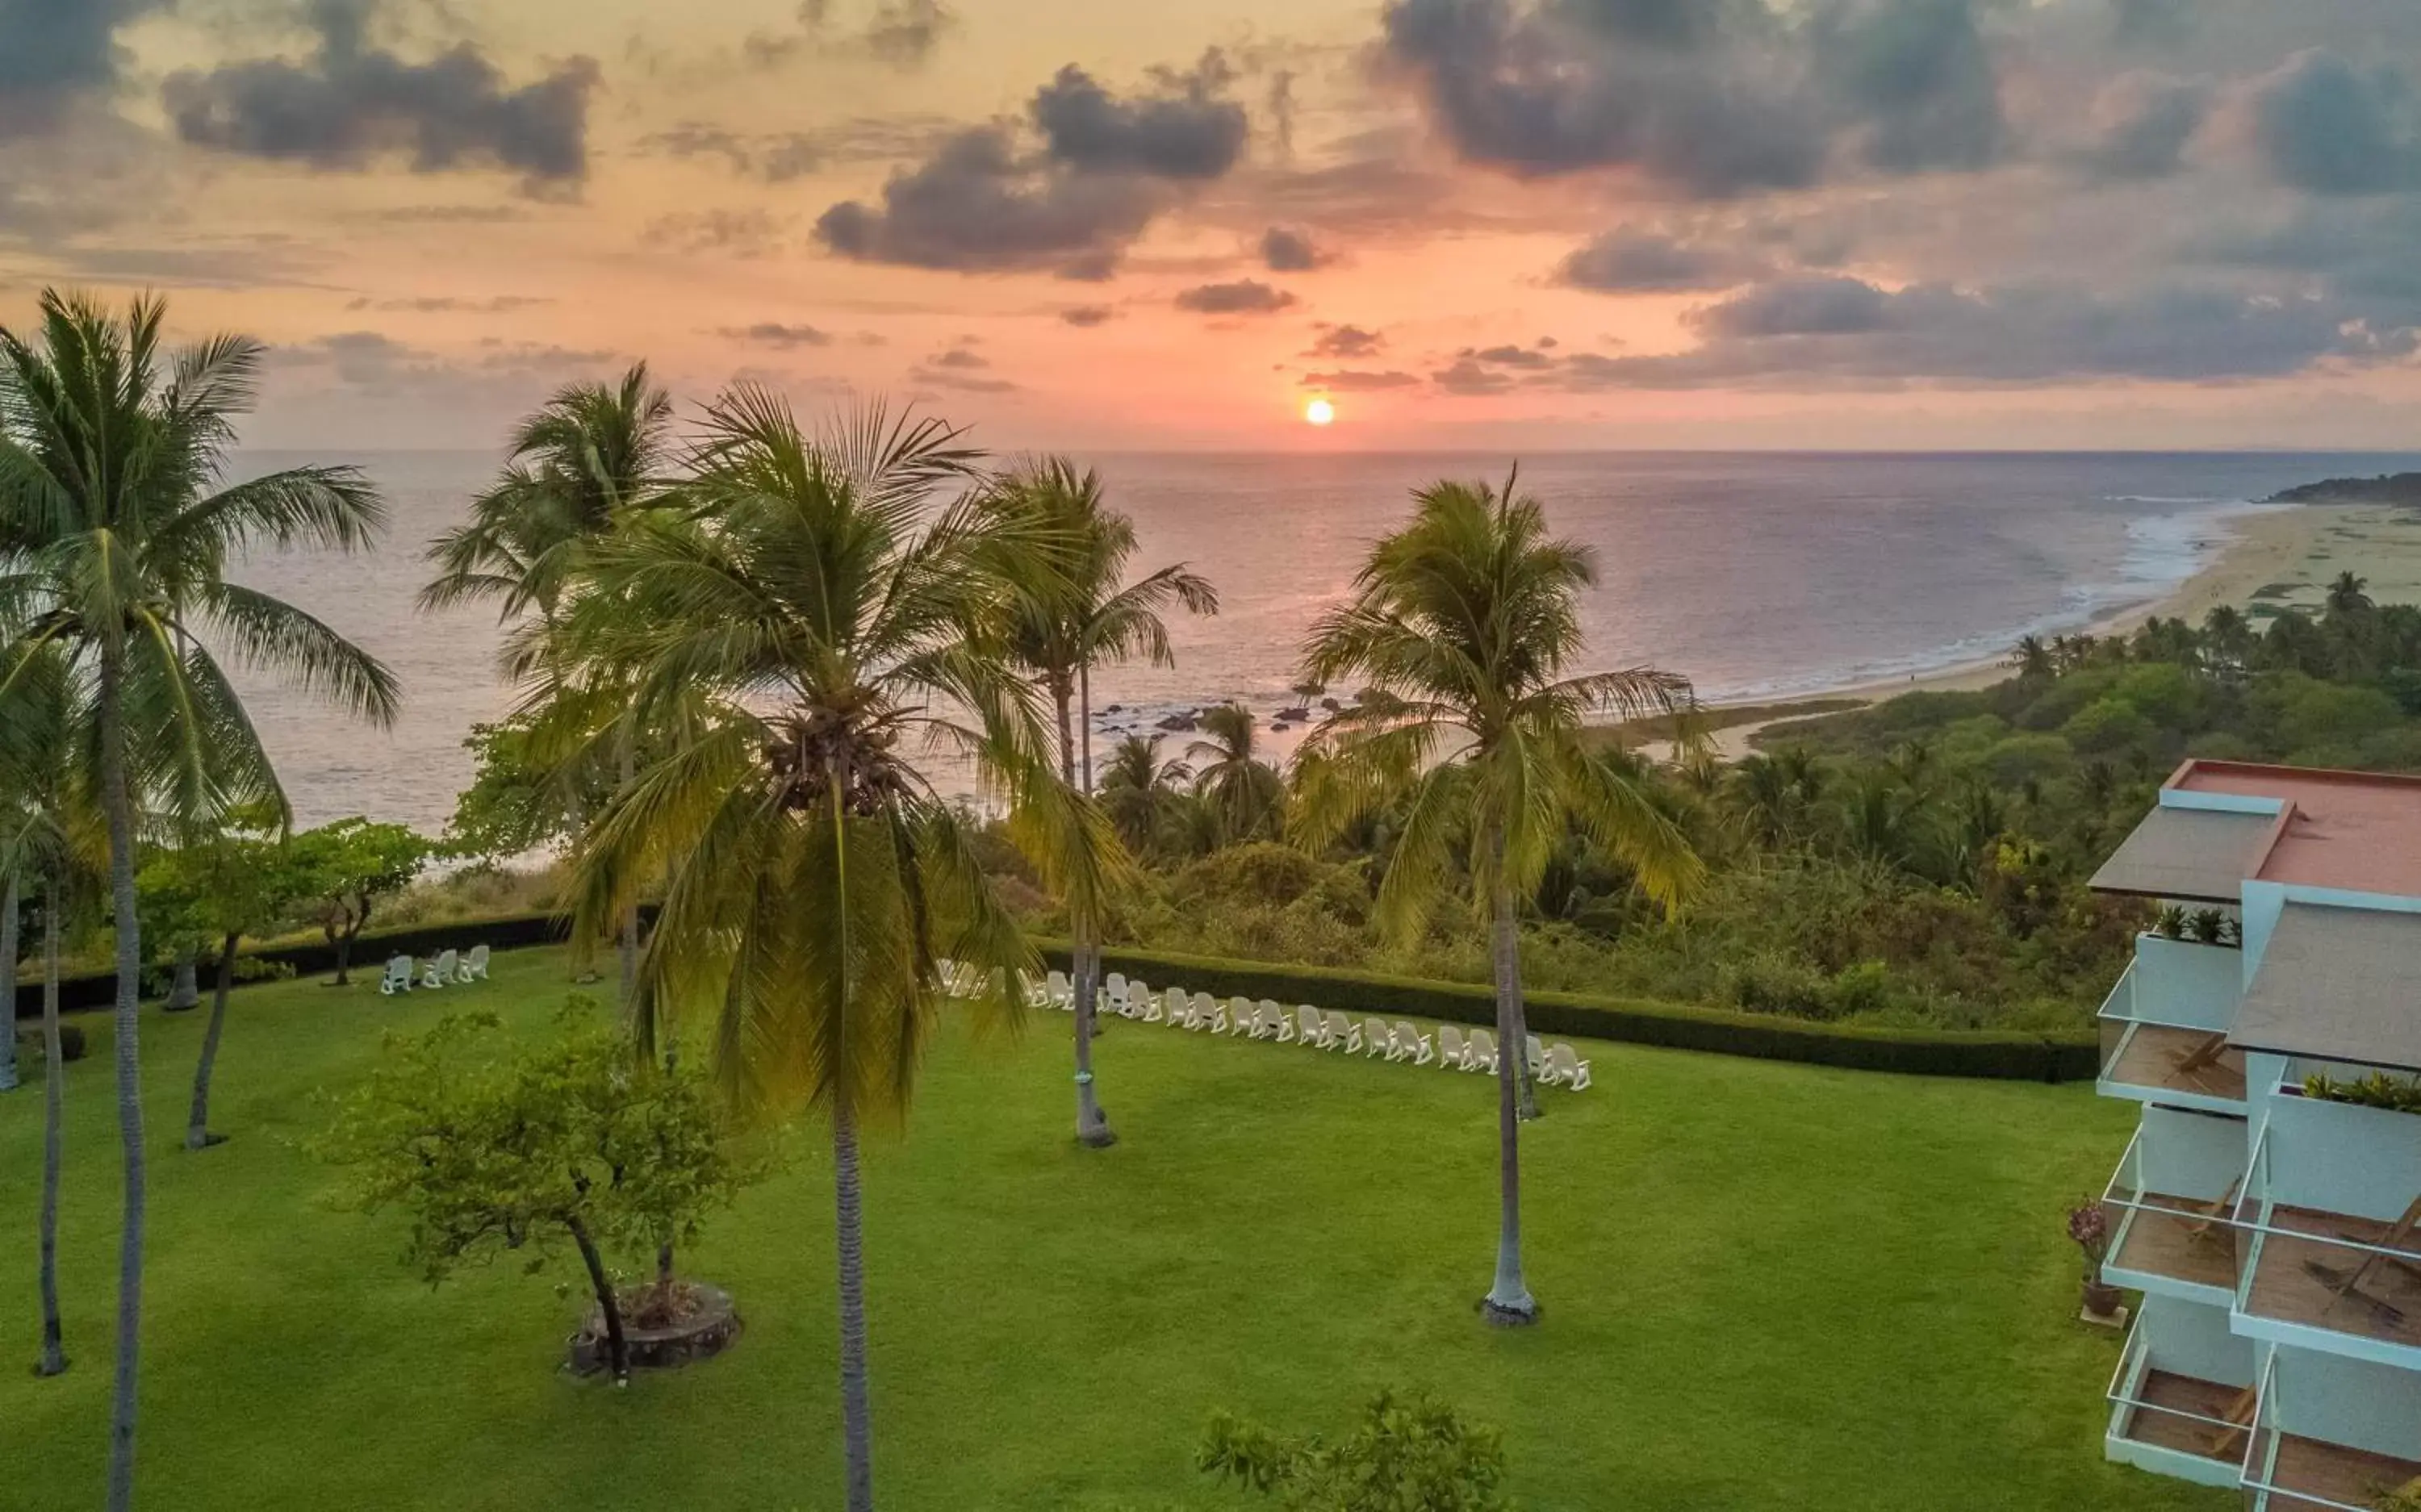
[1756, 574]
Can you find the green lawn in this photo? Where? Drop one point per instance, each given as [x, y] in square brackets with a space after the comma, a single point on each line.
[1767, 1286]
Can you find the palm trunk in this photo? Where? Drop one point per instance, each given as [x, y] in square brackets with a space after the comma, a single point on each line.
[629, 943]
[857, 1426]
[55, 1086]
[197, 1122]
[118, 805]
[618, 1344]
[1509, 1301]
[1092, 1126]
[8, 983]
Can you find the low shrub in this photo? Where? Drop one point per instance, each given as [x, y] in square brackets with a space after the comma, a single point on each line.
[29, 1043]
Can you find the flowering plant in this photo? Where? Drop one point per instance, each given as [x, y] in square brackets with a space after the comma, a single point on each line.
[2089, 1226]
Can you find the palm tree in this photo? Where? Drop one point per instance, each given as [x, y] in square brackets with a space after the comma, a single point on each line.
[843, 626]
[2346, 595]
[580, 466]
[1136, 789]
[114, 533]
[1244, 794]
[1464, 622]
[2031, 659]
[1062, 625]
[2228, 638]
[1763, 803]
[38, 730]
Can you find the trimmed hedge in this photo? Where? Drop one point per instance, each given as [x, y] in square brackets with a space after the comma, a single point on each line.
[509, 932]
[1983, 1054]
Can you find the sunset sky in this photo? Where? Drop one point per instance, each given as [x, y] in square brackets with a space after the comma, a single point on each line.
[1140, 223]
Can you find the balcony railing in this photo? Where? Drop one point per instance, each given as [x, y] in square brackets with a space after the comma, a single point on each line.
[2154, 1050]
[2322, 1268]
[2177, 1424]
[2183, 1242]
[2289, 1471]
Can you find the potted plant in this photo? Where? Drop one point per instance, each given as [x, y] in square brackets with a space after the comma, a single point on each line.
[2088, 1225]
[2209, 927]
[2170, 923]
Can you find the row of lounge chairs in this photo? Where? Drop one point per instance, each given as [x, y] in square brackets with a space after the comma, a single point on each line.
[1452, 1049]
[449, 969]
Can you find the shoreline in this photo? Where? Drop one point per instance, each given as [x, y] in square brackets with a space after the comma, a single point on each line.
[2289, 547]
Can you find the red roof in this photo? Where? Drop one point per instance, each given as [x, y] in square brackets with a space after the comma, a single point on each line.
[2357, 831]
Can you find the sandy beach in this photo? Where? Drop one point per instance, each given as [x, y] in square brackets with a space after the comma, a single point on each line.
[2278, 559]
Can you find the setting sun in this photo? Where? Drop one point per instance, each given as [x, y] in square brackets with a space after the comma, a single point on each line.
[1320, 412]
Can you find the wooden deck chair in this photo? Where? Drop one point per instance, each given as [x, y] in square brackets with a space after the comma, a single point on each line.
[2213, 1225]
[2398, 1238]
[2239, 1418]
[2198, 1063]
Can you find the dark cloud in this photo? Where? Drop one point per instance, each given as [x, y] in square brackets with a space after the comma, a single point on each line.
[1099, 170]
[959, 358]
[739, 233]
[775, 159]
[1470, 378]
[1521, 359]
[1246, 296]
[1643, 263]
[777, 336]
[960, 367]
[2360, 253]
[904, 34]
[1817, 334]
[1288, 250]
[1918, 80]
[54, 51]
[1085, 317]
[353, 102]
[2142, 123]
[2324, 126]
[1182, 131]
[1712, 100]
[1353, 380]
[1348, 341]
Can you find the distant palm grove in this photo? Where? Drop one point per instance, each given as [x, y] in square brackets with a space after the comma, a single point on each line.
[756, 661]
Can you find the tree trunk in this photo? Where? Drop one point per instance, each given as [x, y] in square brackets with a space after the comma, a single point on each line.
[55, 1086]
[618, 1344]
[8, 983]
[184, 985]
[118, 805]
[1092, 1126]
[629, 943]
[857, 1426]
[1509, 1301]
[345, 938]
[198, 1123]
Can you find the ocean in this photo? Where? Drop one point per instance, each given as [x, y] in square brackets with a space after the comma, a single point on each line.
[1758, 575]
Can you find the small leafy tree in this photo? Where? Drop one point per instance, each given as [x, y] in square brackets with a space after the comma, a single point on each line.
[516, 803]
[1407, 1454]
[353, 863]
[489, 1148]
[211, 894]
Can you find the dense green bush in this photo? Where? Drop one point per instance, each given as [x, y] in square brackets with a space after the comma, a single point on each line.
[29, 1043]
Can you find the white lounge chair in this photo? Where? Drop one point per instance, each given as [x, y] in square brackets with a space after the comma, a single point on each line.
[1377, 1038]
[1269, 1022]
[1308, 1029]
[1176, 1006]
[1204, 1013]
[1343, 1033]
[474, 965]
[1480, 1052]
[1538, 1053]
[1565, 1066]
[400, 975]
[1113, 996]
[440, 971]
[1412, 1045]
[1057, 991]
[1240, 1016]
[1450, 1051]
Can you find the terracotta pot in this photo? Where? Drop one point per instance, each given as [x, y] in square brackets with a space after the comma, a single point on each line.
[2100, 1298]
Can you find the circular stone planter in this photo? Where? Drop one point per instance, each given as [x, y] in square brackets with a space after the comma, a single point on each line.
[702, 1335]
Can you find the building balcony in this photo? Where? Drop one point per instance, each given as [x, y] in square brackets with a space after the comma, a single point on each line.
[2331, 1218]
[2331, 1435]
[2182, 1402]
[2164, 1027]
[2172, 1205]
